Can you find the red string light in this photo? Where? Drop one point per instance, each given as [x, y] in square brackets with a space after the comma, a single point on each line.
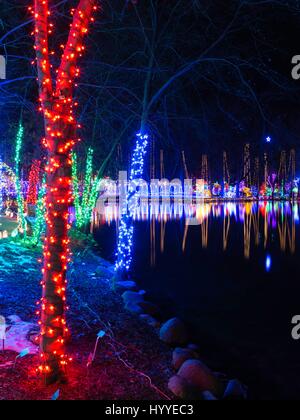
[33, 182]
[57, 106]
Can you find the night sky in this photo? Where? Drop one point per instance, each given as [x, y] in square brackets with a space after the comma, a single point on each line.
[235, 86]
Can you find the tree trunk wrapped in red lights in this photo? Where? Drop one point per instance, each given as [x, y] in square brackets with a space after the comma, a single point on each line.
[60, 126]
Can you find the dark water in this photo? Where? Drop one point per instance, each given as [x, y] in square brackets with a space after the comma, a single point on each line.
[233, 278]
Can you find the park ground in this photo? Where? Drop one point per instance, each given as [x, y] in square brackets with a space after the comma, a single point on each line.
[131, 362]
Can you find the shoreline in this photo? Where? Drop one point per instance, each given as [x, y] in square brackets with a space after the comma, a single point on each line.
[132, 349]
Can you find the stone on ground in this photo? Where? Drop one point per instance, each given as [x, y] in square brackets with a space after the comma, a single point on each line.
[133, 308]
[235, 390]
[200, 376]
[182, 389]
[180, 355]
[173, 332]
[132, 297]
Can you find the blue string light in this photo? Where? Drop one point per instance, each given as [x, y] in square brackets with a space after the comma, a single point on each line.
[124, 251]
[137, 162]
[125, 236]
[268, 263]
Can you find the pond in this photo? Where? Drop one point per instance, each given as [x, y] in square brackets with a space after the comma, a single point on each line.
[232, 276]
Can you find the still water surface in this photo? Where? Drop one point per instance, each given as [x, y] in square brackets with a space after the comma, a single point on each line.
[233, 277]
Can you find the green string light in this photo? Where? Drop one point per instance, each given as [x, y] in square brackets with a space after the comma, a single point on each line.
[76, 193]
[20, 198]
[40, 214]
[84, 205]
[87, 181]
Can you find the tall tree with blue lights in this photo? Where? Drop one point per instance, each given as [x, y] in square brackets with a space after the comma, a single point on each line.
[57, 105]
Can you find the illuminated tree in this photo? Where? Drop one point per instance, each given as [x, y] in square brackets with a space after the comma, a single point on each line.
[33, 181]
[57, 104]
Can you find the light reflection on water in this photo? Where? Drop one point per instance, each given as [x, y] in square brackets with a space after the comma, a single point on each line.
[244, 305]
[259, 222]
